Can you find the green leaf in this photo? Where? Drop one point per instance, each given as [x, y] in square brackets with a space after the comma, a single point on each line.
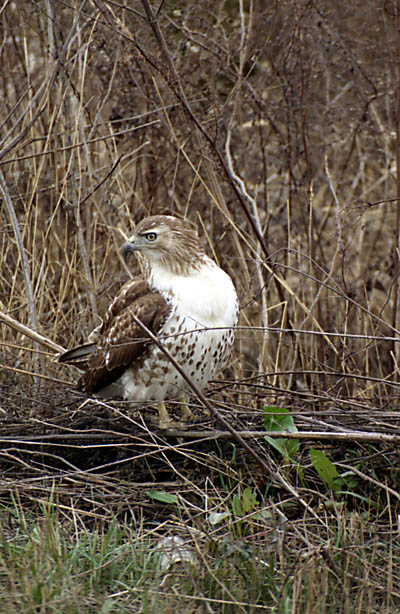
[249, 500]
[237, 507]
[107, 606]
[263, 515]
[163, 497]
[324, 467]
[287, 447]
[280, 419]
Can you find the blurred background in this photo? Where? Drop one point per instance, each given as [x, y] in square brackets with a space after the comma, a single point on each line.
[271, 125]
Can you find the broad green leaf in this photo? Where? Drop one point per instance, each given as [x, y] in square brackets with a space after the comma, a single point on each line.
[279, 419]
[324, 467]
[287, 447]
[263, 515]
[160, 495]
[108, 606]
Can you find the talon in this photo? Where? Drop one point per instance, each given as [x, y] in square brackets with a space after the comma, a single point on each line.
[185, 412]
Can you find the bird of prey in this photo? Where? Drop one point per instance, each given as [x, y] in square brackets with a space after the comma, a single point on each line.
[183, 298]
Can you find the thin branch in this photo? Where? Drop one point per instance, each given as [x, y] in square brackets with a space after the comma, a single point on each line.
[202, 435]
[178, 90]
[28, 332]
[353, 436]
[22, 252]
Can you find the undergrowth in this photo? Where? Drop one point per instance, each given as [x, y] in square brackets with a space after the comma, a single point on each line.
[52, 561]
[274, 127]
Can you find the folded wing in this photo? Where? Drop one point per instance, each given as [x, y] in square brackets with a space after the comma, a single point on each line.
[119, 341]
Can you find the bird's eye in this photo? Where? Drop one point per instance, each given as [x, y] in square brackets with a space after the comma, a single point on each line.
[151, 236]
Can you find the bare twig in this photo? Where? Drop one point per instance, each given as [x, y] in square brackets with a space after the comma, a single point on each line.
[22, 252]
[31, 334]
[202, 435]
[176, 86]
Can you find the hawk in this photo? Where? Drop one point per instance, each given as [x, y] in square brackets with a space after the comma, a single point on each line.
[183, 298]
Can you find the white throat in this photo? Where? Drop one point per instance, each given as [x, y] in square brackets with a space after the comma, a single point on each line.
[207, 295]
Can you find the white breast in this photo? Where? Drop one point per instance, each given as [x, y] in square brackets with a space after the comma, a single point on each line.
[199, 333]
[208, 296]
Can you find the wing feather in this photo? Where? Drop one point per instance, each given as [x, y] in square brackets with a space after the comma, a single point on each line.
[123, 342]
[118, 341]
[130, 292]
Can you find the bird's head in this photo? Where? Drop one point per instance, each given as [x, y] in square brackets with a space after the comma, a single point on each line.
[166, 241]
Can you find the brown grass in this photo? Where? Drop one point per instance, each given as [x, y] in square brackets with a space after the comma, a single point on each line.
[274, 127]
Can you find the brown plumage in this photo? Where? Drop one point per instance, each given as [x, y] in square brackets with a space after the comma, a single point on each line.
[119, 340]
[183, 297]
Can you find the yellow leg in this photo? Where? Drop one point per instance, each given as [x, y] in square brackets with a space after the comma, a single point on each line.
[164, 419]
[186, 414]
[166, 422]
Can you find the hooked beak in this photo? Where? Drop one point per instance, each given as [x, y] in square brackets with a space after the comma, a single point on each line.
[128, 248]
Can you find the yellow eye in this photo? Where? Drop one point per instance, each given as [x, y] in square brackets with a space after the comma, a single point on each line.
[151, 236]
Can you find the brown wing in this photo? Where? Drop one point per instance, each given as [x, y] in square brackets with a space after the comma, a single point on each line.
[130, 292]
[121, 340]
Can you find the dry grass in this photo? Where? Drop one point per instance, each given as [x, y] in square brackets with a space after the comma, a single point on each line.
[272, 125]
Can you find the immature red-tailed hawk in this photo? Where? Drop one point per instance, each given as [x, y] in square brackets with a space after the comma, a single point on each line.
[183, 297]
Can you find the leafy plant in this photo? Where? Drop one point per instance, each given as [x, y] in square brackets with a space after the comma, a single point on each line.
[330, 475]
[280, 419]
[245, 502]
[162, 496]
[325, 468]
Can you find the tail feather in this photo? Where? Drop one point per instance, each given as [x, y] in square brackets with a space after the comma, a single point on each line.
[78, 355]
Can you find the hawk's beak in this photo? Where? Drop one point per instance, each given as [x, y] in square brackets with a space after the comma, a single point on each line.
[128, 249]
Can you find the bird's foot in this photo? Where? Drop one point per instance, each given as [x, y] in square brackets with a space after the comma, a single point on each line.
[185, 412]
[166, 422]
